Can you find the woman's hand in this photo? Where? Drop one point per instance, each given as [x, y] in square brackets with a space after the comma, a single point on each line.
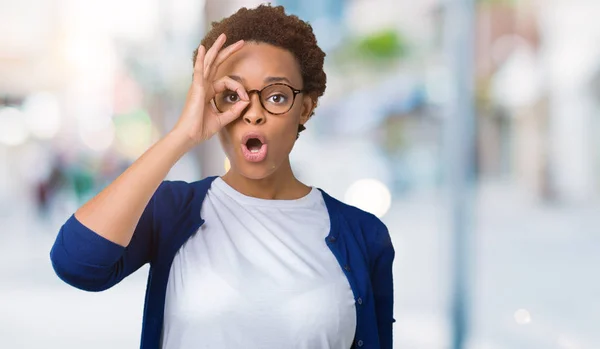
[200, 120]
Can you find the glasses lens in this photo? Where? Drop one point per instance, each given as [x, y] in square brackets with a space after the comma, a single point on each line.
[225, 100]
[277, 99]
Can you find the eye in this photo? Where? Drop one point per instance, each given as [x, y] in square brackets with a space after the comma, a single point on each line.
[231, 97]
[277, 98]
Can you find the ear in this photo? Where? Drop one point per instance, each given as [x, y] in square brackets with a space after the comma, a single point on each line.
[309, 102]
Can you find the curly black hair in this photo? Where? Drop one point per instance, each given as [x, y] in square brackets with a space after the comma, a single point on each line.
[271, 25]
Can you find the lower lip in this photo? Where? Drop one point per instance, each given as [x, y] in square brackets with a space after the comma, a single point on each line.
[258, 156]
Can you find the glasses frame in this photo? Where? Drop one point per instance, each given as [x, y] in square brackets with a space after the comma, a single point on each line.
[259, 92]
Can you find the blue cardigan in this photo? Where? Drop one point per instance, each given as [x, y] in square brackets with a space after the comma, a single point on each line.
[360, 242]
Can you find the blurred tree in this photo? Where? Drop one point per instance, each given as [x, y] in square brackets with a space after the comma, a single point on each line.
[383, 45]
[376, 50]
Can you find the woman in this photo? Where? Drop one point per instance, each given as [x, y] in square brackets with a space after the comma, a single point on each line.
[255, 258]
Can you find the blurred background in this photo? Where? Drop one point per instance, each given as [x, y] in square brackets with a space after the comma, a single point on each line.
[470, 128]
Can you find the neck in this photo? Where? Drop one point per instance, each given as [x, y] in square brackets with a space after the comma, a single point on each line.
[280, 185]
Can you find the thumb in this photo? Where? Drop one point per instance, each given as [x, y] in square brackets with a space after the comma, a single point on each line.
[234, 112]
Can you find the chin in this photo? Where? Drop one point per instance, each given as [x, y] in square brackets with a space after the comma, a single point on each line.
[254, 171]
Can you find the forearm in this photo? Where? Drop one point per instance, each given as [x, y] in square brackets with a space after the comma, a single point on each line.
[115, 211]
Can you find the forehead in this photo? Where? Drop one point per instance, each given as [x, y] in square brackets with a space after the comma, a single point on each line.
[256, 62]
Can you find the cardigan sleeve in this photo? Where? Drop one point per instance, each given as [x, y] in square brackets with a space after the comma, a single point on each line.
[383, 285]
[88, 261]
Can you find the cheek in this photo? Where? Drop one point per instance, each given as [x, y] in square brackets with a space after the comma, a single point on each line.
[293, 119]
[287, 135]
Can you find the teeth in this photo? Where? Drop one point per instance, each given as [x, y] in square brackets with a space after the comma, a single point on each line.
[254, 150]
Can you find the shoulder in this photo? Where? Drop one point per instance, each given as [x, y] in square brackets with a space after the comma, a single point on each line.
[175, 196]
[177, 190]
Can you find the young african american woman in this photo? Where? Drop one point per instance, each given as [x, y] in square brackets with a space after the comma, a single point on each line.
[254, 258]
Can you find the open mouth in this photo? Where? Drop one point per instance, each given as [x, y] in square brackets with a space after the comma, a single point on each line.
[254, 147]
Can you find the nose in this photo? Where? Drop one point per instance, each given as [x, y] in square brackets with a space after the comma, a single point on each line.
[254, 113]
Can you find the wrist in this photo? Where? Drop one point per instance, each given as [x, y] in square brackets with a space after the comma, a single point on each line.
[181, 141]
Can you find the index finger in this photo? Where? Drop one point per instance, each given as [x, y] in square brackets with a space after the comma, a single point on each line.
[227, 83]
[223, 55]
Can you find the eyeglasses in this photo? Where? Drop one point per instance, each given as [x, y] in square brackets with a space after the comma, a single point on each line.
[275, 98]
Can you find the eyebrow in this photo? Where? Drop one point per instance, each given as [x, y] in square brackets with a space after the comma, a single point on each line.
[269, 79]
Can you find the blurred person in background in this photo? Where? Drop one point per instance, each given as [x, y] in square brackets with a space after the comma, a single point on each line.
[47, 187]
[254, 258]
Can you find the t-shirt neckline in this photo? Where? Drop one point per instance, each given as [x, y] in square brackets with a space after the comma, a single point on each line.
[308, 200]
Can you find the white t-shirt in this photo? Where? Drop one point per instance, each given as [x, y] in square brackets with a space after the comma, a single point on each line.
[258, 274]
